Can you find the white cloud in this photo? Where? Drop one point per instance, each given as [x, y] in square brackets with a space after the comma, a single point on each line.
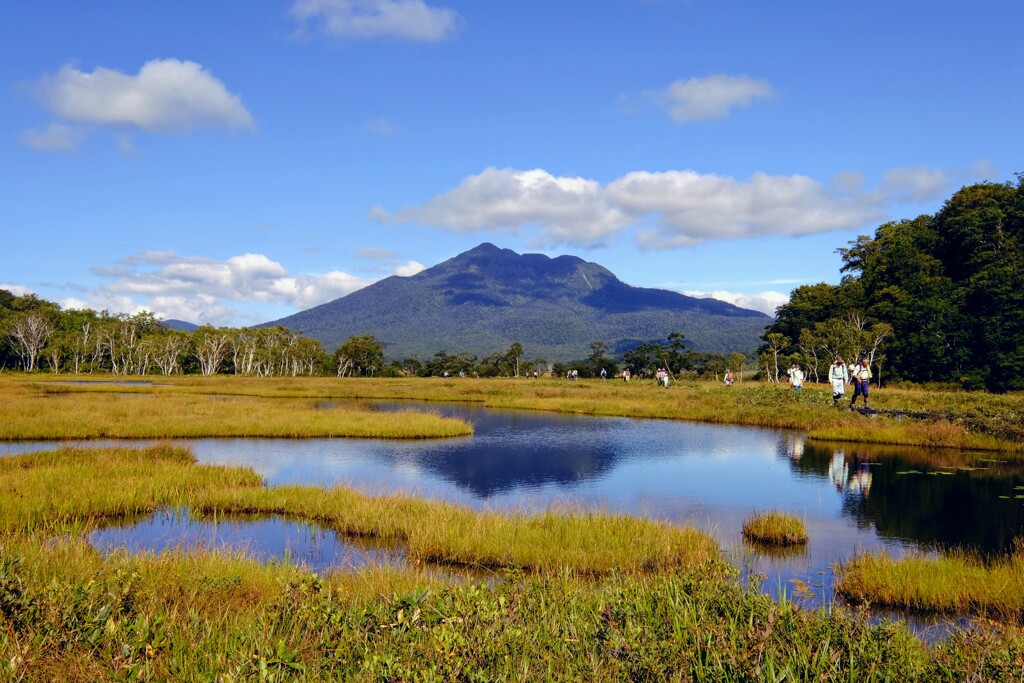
[409, 269]
[694, 208]
[57, 137]
[17, 290]
[166, 96]
[765, 302]
[916, 184]
[200, 289]
[405, 19]
[568, 210]
[670, 209]
[704, 99]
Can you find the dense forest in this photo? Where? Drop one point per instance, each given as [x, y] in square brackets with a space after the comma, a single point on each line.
[939, 298]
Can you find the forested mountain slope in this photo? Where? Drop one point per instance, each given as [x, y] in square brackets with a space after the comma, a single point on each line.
[483, 300]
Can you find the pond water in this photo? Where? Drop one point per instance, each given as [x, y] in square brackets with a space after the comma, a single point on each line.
[710, 476]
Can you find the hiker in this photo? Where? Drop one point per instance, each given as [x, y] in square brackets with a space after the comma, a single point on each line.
[625, 375]
[796, 377]
[838, 376]
[728, 378]
[861, 378]
[604, 375]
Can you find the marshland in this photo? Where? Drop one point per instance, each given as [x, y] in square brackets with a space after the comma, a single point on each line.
[491, 569]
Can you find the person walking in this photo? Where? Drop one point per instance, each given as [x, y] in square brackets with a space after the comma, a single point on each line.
[861, 379]
[796, 378]
[838, 376]
[728, 378]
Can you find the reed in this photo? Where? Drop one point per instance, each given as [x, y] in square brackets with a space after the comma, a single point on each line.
[952, 581]
[53, 489]
[37, 412]
[71, 617]
[603, 598]
[958, 419]
[438, 532]
[775, 528]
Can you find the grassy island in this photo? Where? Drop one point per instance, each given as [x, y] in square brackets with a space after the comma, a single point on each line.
[775, 528]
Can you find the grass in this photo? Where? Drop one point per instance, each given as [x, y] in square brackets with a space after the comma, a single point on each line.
[951, 582]
[957, 419]
[69, 615]
[572, 595]
[53, 489]
[50, 412]
[775, 528]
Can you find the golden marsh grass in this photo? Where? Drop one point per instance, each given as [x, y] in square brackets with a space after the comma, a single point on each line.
[775, 528]
[43, 412]
[958, 419]
[953, 582]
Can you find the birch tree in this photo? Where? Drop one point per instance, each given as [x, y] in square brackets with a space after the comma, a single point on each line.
[30, 331]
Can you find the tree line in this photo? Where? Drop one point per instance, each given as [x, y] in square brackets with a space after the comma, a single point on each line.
[934, 299]
[38, 336]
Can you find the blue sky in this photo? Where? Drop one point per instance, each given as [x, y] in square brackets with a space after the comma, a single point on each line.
[235, 161]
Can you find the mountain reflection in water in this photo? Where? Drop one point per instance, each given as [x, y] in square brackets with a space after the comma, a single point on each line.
[851, 497]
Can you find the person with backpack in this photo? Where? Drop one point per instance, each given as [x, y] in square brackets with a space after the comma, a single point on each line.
[838, 376]
[861, 379]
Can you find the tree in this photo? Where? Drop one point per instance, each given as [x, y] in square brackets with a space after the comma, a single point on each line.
[361, 355]
[642, 359]
[736, 362]
[776, 344]
[211, 347]
[30, 331]
[513, 355]
[597, 361]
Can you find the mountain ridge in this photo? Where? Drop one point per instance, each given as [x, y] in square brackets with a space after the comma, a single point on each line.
[484, 299]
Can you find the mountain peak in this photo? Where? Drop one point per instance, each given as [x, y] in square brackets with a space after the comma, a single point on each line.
[482, 300]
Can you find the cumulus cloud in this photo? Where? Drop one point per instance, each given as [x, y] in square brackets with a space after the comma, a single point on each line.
[409, 269]
[704, 99]
[692, 208]
[667, 209]
[166, 96]
[201, 289]
[57, 137]
[568, 210]
[765, 302]
[403, 19]
[17, 290]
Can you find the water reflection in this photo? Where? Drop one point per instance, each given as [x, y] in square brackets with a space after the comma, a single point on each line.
[931, 498]
[851, 497]
[263, 538]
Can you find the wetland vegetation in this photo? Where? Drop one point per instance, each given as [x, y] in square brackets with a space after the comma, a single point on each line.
[775, 528]
[565, 594]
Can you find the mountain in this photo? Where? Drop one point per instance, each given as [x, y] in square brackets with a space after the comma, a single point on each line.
[485, 299]
[181, 325]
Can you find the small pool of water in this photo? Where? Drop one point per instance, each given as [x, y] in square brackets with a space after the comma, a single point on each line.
[263, 538]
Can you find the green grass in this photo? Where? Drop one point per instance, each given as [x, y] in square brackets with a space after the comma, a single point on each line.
[953, 582]
[775, 528]
[568, 595]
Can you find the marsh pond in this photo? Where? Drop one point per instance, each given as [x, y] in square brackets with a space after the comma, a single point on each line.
[709, 476]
